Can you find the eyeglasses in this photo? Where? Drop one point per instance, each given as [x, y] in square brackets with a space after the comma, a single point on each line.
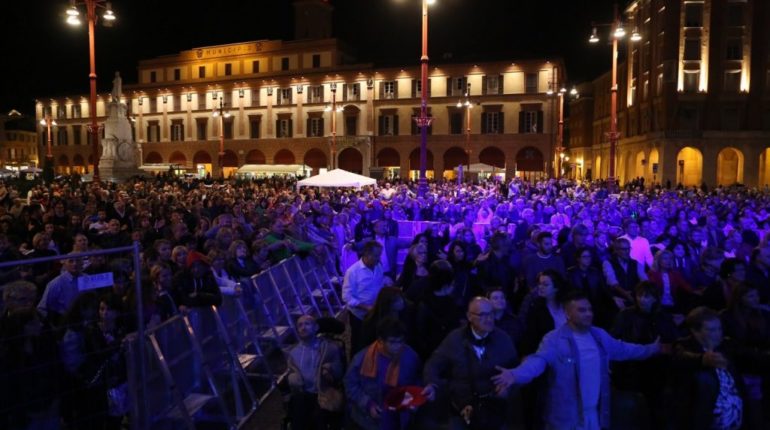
[482, 314]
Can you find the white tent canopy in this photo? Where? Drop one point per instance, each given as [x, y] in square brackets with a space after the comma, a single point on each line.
[480, 168]
[272, 169]
[337, 178]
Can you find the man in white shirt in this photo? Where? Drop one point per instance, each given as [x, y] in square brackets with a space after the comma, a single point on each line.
[640, 247]
[363, 281]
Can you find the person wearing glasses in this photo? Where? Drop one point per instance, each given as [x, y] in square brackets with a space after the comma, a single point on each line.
[462, 366]
[622, 273]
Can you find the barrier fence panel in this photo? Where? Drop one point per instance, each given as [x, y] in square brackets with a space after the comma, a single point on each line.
[299, 302]
[279, 324]
[61, 360]
[301, 277]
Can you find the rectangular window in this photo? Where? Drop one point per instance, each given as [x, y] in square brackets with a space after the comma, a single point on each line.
[201, 101]
[201, 71]
[735, 15]
[691, 81]
[177, 74]
[457, 86]
[492, 123]
[200, 128]
[315, 127]
[255, 66]
[153, 104]
[388, 89]
[228, 131]
[693, 15]
[530, 122]
[76, 112]
[153, 131]
[76, 134]
[284, 96]
[178, 101]
[456, 122]
[734, 49]
[254, 125]
[47, 111]
[388, 125]
[153, 77]
[228, 69]
[692, 49]
[283, 128]
[315, 94]
[254, 97]
[285, 63]
[177, 131]
[353, 92]
[228, 98]
[61, 136]
[531, 83]
[316, 61]
[493, 84]
[61, 112]
[732, 81]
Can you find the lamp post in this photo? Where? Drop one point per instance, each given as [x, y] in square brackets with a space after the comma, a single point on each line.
[424, 121]
[48, 122]
[333, 108]
[221, 113]
[467, 105]
[617, 33]
[73, 19]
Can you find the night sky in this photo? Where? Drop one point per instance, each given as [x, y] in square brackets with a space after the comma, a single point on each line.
[42, 56]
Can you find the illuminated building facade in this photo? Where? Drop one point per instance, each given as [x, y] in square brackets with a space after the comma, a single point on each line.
[694, 97]
[278, 96]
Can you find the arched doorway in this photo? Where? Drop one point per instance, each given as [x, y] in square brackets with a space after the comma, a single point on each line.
[351, 114]
[414, 164]
[78, 164]
[730, 167]
[530, 164]
[390, 160]
[493, 156]
[255, 156]
[454, 157]
[654, 164]
[689, 164]
[316, 159]
[350, 159]
[596, 169]
[639, 164]
[284, 156]
[202, 163]
[153, 158]
[229, 163]
[764, 168]
[63, 166]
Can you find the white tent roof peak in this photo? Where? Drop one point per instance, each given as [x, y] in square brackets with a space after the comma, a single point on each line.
[337, 178]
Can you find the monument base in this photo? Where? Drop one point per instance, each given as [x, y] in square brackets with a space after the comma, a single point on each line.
[118, 174]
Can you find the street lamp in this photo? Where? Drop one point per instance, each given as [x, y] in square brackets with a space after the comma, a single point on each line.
[221, 113]
[47, 122]
[467, 105]
[73, 18]
[333, 108]
[560, 133]
[423, 121]
[617, 32]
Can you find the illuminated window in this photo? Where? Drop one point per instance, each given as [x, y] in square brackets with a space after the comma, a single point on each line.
[284, 96]
[693, 15]
[228, 69]
[691, 81]
[531, 81]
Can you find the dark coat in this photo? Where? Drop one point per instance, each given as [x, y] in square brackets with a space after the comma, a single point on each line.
[188, 292]
[455, 367]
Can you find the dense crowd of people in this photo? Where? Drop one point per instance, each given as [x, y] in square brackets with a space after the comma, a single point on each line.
[522, 305]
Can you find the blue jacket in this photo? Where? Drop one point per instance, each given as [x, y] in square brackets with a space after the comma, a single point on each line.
[558, 354]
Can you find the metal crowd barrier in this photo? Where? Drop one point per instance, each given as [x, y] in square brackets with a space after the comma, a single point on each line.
[219, 364]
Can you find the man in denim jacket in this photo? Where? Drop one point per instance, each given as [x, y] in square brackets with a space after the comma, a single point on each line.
[576, 357]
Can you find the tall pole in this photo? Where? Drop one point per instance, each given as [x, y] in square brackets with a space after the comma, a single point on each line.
[334, 125]
[560, 137]
[424, 122]
[468, 127]
[91, 12]
[48, 124]
[221, 136]
[614, 100]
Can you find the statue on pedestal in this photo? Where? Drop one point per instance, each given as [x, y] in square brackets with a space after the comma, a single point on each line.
[119, 160]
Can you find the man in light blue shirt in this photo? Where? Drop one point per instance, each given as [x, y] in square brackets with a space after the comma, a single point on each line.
[363, 281]
[576, 360]
[61, 291]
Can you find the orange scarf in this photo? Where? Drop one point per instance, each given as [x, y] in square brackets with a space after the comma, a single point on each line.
[369, 364]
